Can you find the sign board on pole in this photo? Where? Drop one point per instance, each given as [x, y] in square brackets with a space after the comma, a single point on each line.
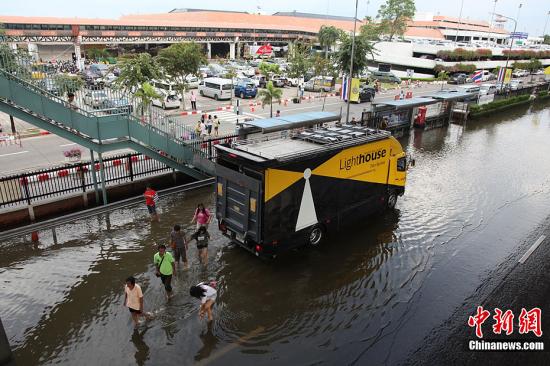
[508, 76]
[354, 94]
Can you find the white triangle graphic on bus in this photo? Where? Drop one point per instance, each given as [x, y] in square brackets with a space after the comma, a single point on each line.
[307, 215]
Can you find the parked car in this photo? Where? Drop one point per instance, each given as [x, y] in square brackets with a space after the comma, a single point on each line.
[246, 89]
[520, 73]
[366, 93]
[294, 81]
[95, 98]
[117, 105]
[278, 81]
[50, 86]
[516, 84]
[167, 101]
[216, 88]
[487, 89]
[319, 83]
[384, 76]
[192, 81]
[259, 80]
[458, 79]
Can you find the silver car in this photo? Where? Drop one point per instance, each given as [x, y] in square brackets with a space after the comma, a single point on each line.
[95, 99]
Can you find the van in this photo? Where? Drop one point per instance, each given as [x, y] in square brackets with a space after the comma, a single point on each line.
[382, 76]
[274, 194]
[216, 88]
[164, 87]
[319, 83]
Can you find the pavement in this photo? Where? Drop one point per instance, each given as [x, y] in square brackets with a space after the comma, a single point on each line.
[522, 282]
[37, 149]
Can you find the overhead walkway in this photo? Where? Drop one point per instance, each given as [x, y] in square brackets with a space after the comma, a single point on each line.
[156, 136]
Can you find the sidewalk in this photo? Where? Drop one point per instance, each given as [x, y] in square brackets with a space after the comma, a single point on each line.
[23, 128]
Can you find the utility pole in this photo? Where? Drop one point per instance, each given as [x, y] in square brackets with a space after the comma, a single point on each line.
[351, 61]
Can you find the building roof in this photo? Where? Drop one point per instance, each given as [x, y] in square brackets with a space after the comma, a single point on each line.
[445, 25]
[443, 18]
[424, 33]
[189, 10]
[311, 15]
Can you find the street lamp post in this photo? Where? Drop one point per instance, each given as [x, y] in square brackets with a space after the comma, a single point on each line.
[459, 20]
[492, 21]
[351, 61]
[511, 45]
[545, 24]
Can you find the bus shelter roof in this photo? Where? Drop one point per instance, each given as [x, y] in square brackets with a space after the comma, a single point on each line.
[405, 103]
[293, 121]
[450, 95]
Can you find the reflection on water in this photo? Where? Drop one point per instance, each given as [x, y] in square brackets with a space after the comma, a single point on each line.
[371, 294]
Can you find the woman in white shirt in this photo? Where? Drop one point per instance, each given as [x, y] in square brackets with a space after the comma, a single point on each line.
[207, 294]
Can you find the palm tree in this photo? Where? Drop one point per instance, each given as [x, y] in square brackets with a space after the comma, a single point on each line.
[328, 35]
[146, 93]
[270, 94]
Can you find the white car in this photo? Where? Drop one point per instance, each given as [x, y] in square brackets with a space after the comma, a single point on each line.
[488, 89]
[167, 101]
[516, 84]
[192, 82]
[95, 98]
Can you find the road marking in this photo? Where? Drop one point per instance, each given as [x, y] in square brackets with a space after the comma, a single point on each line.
[232, 346]
[252, 115]
[67, 145]
[15, 153]
[532, 249]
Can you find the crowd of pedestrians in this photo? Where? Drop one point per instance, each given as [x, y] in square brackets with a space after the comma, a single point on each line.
[167, 261]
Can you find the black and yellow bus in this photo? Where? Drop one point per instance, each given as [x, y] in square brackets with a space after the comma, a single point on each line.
[275, 193]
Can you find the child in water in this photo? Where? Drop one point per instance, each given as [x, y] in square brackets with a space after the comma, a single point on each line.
[206, 293]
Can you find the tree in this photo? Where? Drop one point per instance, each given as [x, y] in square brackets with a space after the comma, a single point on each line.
[269, 95]
[363, 48]
[180, 60]
[394, 15]
[328, 35]
[146, 93]
[68, 83]
[546, 39]
[136, 70]
[299, 61]
[97, 54]
[267, 67]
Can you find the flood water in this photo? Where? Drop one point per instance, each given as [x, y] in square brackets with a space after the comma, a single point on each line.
[369, 296]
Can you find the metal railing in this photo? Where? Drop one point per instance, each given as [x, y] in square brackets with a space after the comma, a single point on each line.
[30, 187]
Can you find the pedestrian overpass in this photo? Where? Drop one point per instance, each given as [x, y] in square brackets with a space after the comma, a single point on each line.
[27, 97]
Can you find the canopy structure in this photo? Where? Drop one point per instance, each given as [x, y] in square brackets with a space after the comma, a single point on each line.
[404, 103]
[293, 121]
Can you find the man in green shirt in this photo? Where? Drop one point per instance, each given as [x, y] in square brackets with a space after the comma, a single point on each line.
[165, 265]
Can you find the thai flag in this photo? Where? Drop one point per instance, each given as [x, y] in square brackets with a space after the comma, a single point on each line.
[478, 75]
[345, 85]
[501, 73]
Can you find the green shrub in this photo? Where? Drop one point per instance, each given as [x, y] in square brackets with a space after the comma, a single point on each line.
[476, 108]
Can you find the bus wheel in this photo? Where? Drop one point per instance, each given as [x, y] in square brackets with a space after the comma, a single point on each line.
[315, 236]
[392, 200]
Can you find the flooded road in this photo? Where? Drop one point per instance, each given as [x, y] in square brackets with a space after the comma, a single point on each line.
[369, 295]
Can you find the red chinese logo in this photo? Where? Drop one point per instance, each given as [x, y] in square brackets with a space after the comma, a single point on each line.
[478, 320]
[529, 321]
[503, 321]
